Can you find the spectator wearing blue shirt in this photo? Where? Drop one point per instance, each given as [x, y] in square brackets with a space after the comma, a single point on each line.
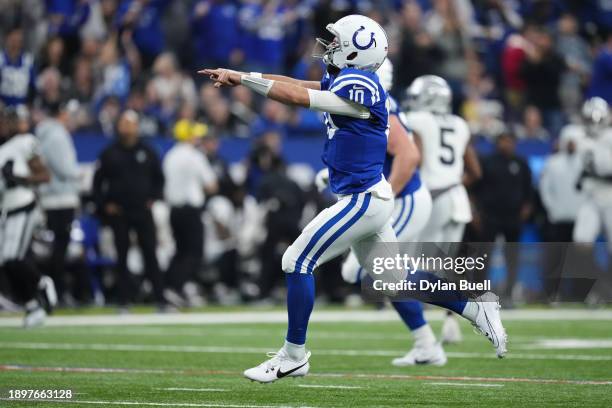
[67, 16]
[247, 18]
[601, 80]
[296, 32]
[264, 30]
[495, 20]
[215, 33]
[115, 74]
[142, 18]
[16, 70]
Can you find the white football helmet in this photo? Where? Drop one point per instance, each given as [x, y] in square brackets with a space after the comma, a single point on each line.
[429, 93]
[596, 115]
[359, 42]
[385, 74]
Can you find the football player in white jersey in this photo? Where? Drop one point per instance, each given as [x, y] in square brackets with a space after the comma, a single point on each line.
[443, 139]
[357, 116]
[21, 170]
[595, 148]
[447, 163]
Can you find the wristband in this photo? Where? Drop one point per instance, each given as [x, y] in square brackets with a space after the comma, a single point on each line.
[259, 85]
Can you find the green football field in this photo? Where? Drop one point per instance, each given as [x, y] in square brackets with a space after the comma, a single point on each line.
[565, 361]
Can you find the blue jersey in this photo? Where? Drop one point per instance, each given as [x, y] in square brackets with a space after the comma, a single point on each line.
[147, 32]
[16, 78]
[74, 14]
[355, 148]
[415, 181]
[216, 34]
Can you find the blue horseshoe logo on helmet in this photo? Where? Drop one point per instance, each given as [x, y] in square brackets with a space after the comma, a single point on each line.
[363, 47]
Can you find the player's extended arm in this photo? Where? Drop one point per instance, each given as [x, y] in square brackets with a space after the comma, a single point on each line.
[278, 78]
[304, 84]
[39, 173]
[473, 171]
[289, 93]
[405, 153]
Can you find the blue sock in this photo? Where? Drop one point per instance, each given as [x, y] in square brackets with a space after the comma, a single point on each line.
[456, 306]
[453, 300]
[300, 300]
[411, 312]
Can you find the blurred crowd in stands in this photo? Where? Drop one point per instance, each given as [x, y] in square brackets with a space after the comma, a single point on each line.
[523, 62]
[519, 68]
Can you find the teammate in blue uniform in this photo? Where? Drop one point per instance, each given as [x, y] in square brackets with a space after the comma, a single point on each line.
[356, 114]
[410, 215]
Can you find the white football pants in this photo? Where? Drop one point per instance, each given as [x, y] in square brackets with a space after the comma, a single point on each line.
[361, 221]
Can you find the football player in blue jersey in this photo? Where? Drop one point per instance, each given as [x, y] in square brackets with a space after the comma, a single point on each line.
[357, 119]
[411, 213]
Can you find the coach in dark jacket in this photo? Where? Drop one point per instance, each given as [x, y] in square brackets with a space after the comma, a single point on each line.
[127, 182]
[504, 200]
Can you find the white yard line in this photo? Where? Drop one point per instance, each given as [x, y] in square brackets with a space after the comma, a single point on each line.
[260, 350]
[352, 375]
[149, 404]
[95, 370]
[281, 317]
[466, 384]
[239, 332]
[567, 344]
[192, 389]
[333, 387]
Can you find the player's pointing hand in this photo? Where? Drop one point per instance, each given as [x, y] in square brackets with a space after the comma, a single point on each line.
[222, 76]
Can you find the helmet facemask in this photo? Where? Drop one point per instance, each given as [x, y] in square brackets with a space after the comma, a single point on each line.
[326, 49]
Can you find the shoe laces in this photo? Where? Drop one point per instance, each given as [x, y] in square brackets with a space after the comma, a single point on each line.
[274, 360]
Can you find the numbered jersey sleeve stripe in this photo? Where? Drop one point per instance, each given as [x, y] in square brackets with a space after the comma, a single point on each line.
[343, 81]
[357, 76]
[339, 86]
[365, 81]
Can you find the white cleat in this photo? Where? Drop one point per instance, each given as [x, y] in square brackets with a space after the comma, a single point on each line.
[34, 318]
[451, 330]
[432, 355]
[488, 322]
[277, 367]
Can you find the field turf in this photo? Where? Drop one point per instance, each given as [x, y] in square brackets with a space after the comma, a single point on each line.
[552, 363]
